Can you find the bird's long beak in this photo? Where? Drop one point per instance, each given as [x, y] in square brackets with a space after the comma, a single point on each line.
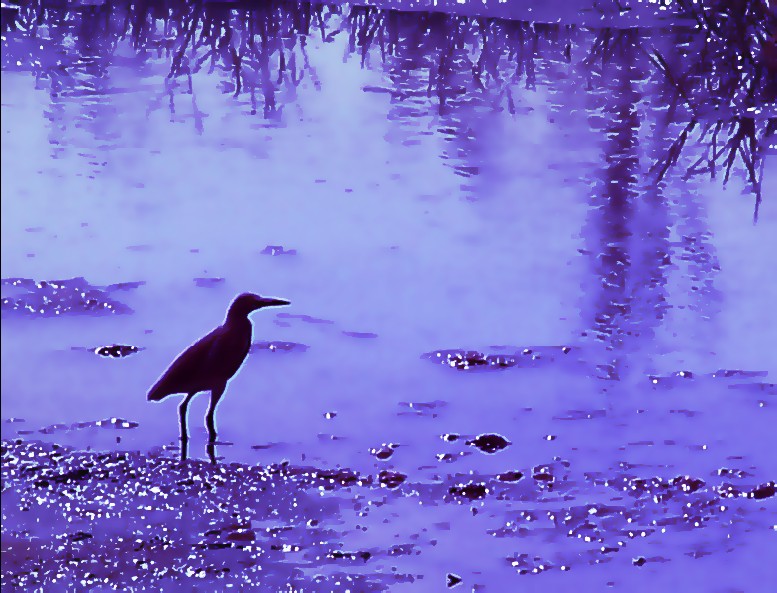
[273, 302]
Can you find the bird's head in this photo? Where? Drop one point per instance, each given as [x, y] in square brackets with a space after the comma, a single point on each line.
[247, 303]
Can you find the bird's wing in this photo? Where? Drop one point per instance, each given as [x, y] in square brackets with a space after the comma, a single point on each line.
[185, 373]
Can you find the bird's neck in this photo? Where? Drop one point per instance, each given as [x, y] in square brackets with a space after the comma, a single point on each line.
[237, 320]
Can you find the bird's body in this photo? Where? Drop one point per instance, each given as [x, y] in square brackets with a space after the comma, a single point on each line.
[209, 363]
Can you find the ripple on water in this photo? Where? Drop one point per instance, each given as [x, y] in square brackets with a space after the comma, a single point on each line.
[384, 452]
[469, 490]
[581, 415]
[427, 409]
[280, 347]
[489, 443]
[55, 298]
[208, 282]
[469, 360]
[678, 378]
[276, 250]
[106, 424]
[528, 564]
[391, 479]
[360, 335]
[112, 351]
[304, 318]
[510, 476]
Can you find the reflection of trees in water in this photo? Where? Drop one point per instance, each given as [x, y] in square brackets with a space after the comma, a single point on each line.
[627, 228]
[642, 240]
[723, 142]
[451, 65]
[454, 69]
[724, 76]
[426, 60]
[262, 50]
[90, 71]
[476, 62]
[73, 58]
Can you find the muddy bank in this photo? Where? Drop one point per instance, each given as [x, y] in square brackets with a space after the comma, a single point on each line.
[131, 521]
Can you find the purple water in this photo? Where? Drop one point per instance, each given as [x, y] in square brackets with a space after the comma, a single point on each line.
[530, 344]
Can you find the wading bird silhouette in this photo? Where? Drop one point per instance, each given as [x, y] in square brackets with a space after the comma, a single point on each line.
[209, 363]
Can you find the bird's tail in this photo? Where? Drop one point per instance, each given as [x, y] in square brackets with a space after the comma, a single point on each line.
[157, 393]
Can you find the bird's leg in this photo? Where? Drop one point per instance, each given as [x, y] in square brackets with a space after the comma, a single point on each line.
[182, 417]
[215, 396]
[211, 448]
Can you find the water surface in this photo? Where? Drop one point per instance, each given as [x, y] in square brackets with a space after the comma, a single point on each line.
[487, 179]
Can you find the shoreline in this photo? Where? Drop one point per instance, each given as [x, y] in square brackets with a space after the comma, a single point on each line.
[129, 521]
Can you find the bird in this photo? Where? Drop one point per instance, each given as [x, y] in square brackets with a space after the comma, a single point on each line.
[209, 363]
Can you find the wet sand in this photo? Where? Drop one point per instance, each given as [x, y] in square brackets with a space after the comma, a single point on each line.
[130, 521]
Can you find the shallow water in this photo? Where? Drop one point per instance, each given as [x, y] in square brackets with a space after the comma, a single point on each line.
[415, 184]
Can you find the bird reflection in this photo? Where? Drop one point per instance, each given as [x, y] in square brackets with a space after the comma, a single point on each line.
[210, 449]
[209, 363]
